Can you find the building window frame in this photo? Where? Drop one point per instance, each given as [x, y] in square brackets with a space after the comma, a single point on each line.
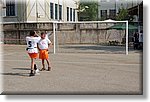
[74, 14]
[104, 14]
[104, 0]
[10, 8]
[67, 13]
[112, 13]
[51, 10]
[56, 11]
[60, 12]
[70, 14]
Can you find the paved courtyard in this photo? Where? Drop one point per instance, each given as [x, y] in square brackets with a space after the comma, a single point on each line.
[73, 73]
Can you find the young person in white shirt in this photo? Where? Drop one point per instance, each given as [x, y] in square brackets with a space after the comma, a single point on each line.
[32, 50]
[43, 46]
[141, 39]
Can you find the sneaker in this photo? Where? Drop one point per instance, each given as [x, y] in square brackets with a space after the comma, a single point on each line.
[37, 72]
[32, 74]
[49, 69]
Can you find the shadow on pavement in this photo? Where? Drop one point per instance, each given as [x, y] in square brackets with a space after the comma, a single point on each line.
[107, 48]
[21, 68]
[99, 48]
[15, 74]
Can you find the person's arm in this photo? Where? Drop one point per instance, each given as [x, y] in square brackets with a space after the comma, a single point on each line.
[50, 45]
[38, 46]
[36, 35]
[49, 34]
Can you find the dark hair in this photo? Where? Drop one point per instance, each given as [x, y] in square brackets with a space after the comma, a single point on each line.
[32, 33]
[141, 31]
[42, 33]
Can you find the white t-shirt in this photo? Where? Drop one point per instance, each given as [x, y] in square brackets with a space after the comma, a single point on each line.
[32, 44]
[43, 43]
[46, 36]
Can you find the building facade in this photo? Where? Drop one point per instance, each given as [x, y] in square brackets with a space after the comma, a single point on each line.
[39, 10]
[108, 9]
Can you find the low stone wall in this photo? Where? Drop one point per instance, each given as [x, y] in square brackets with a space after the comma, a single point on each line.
[66, 33]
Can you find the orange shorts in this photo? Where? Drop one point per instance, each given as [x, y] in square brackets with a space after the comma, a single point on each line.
[33, 55]
[43, 54]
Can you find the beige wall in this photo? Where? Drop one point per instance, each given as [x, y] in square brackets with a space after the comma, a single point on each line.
[26, 10]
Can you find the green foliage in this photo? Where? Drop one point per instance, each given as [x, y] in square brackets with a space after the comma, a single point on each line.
[88, 10]
[122, 15]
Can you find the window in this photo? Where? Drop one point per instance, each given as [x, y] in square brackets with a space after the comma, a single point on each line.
[56, 11]
[67, 13]
[74, 14]
[60, 12]
[70, 14]
[104, 14]
[10, 8]
[103, 0]
[51, 10]
[112, 14]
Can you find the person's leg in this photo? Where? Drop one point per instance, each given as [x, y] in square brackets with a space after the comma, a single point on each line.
[49, 64]
[32, 67]
[43, 65]
[33, 56]
[35, 67]
[47, 60]
[134, 45]
[32, 63]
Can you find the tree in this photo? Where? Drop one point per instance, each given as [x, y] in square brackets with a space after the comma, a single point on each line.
[123, 14]
[88, 10]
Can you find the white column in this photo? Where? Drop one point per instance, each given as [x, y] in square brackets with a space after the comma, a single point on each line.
[3, 7]
[54, 32]
[126, 37]
[16, 8]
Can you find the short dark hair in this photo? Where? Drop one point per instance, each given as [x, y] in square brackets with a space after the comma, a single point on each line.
[32, 33]
[141, 31]
[42, 33]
